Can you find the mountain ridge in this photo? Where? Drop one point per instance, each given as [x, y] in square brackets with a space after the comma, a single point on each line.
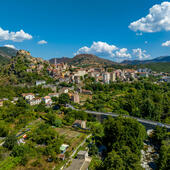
[83, 59]
[160, 59]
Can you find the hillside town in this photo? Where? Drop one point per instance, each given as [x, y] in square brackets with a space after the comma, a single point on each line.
[64, 73]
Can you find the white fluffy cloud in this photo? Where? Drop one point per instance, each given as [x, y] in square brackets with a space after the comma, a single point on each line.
[98, 48]
[140, 54]
[102, 49]
[156, 20]
[166, 44]
[18, 36]
[122, 53]
[42, 42]
[10, 46]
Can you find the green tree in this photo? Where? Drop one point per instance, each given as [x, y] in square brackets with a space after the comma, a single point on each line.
[164, 156]
[3, 130]
[159, 135]
[53, 119]
[113, 161]
[44, 134]
[124, 132]
[10, 142]
[130, 159]
[64, 98]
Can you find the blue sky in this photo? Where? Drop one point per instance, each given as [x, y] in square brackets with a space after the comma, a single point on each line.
[108, 28]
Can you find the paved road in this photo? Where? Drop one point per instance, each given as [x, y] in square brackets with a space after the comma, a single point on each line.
[144, 121]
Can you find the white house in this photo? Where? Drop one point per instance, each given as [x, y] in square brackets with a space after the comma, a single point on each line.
[28, 96]
[106, 77]
[47, 100]
[35, 101]
[40, 82]
[82, 155]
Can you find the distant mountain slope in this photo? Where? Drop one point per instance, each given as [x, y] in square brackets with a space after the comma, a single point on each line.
[155, 60]
[6, 53]
[84, 59]
[158, 66]
[60, 60]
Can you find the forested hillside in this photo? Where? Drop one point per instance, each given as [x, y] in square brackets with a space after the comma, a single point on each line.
[158, 67]
[23, 68]
[139, 99]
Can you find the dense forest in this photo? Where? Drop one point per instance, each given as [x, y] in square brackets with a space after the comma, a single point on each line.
[142, 99]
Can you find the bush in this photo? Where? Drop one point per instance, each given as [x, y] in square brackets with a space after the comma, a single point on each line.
[3, 130]
[10, 142]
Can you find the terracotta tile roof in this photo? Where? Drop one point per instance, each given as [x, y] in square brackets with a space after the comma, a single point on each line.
[26, 94]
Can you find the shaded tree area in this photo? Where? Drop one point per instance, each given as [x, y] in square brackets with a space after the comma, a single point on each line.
[123, 138]
[10, 141]
[16, 115]
[14, 91]
[161, 138]
[64, 99]
[71, 115]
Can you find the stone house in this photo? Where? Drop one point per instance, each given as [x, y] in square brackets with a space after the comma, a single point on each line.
[35, 101]
[75, 98]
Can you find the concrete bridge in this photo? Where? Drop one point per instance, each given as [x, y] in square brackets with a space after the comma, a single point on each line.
[100, 116]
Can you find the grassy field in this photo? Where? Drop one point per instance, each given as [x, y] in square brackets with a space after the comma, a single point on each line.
[71, 137]
[68, 133]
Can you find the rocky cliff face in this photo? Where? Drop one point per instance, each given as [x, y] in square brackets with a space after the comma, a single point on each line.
[23, 52]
